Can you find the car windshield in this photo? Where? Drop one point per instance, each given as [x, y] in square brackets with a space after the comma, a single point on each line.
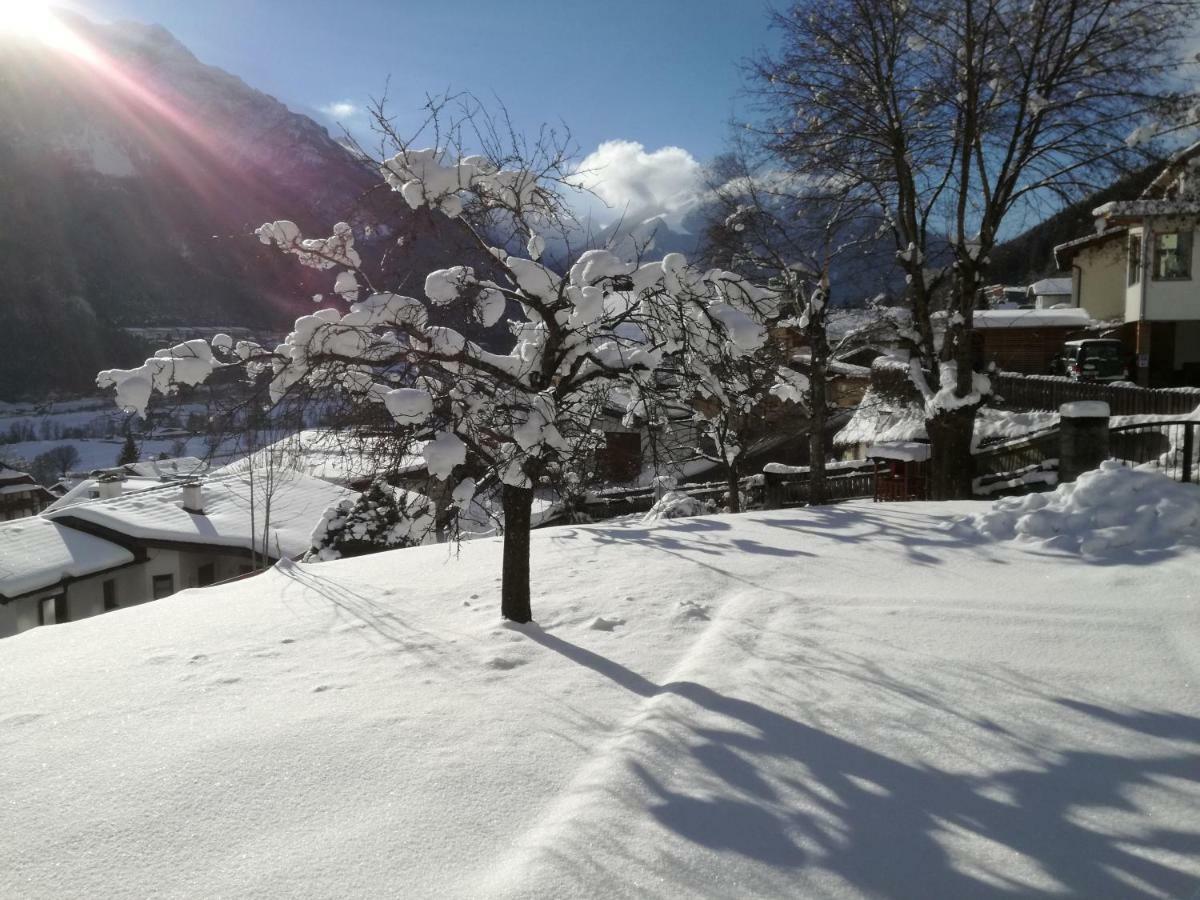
[1103, 352]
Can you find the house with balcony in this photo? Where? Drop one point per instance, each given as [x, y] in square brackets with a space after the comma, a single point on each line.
[1142, 269]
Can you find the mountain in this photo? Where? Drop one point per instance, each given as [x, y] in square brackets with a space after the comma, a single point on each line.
[133, 176]
[1030, 255]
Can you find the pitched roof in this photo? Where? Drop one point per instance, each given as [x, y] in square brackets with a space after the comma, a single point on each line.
[13, 475]
[1157, 188]
[36, 553]
[1072, 316]
[297, 502]
[1065, 252]
[1051, 286]
[1137, 209]
[165, 468]
[88, 489]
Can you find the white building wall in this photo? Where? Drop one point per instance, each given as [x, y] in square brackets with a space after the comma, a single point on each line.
[134, 585]
[1174, 301]
[1133, 292]
[1099, 281]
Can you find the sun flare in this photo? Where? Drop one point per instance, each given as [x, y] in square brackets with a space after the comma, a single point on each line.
[38, 21]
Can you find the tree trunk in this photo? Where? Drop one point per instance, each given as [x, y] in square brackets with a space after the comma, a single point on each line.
[816, 436]
[514, 590]
[950, 469]
[735, 489]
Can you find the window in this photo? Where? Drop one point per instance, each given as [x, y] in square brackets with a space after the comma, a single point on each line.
[621, 458]
[52, 610]
[162, 586]
[110, 595]
[1173, 255]
[1135, 259]
[206, 575]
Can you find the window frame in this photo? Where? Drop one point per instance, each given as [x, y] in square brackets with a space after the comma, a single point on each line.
[1133, 264]
[156, 580]
[1183, 250]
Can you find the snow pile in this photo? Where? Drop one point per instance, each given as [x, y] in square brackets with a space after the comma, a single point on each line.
[1084, 409]
[676, 505]
[1108, 510]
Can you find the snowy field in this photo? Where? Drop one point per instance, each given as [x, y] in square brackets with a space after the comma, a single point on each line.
[837, 702]
[98, 453]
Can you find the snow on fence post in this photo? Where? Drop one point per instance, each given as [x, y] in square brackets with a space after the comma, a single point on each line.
[1083, 438]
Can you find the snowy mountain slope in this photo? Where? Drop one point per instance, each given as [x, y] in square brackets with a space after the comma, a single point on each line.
[841, 702]
[133, 177]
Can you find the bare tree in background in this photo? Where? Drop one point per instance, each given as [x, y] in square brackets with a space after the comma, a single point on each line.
[775, 227]
[949, 115]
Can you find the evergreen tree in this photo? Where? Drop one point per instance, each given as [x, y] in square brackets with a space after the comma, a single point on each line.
[382, 518]
[129, 451]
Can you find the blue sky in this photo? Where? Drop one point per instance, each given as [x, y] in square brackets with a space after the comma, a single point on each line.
[657, 72]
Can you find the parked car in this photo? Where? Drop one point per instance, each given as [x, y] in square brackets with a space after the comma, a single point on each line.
[1093, 359]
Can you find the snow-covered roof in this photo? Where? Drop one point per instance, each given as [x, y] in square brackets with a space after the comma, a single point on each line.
[180, 466]
[36, 553]
[1065, 252]
[21, 487]
[335, 457]
[88, 489]
[1137, 209]
[878, 418]
[7, 474]
[1162, 181]
[1051, 287]
[1070, 317]
[297, 503]
[903, 451]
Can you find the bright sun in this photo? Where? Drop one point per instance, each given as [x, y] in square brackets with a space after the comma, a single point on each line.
[36, 20]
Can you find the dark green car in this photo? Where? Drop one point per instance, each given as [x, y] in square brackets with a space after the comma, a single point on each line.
[1093, 359]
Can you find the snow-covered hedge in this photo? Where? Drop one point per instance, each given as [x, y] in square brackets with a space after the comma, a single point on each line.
[382, 518]
[1107, 511]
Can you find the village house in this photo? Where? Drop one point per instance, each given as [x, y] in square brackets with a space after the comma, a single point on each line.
[21, 495]
[92, 556]
[1141, 269]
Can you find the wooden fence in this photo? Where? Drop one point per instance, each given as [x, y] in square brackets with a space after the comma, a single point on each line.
[1049, 392]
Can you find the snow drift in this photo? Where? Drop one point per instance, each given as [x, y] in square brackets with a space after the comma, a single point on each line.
[835, 702]
[1109, 510]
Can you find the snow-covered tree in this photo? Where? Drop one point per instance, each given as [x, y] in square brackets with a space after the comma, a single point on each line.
[781, 229]
[729, 393]
[488, 418]
[382, 517]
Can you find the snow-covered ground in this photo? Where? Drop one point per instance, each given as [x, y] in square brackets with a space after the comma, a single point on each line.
[99, 453]
[838, 702]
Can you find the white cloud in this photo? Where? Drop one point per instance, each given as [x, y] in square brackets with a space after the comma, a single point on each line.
[341, 109]
[637, 184]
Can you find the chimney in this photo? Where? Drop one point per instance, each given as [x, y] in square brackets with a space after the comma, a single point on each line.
[109, 486]
[193, 497]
